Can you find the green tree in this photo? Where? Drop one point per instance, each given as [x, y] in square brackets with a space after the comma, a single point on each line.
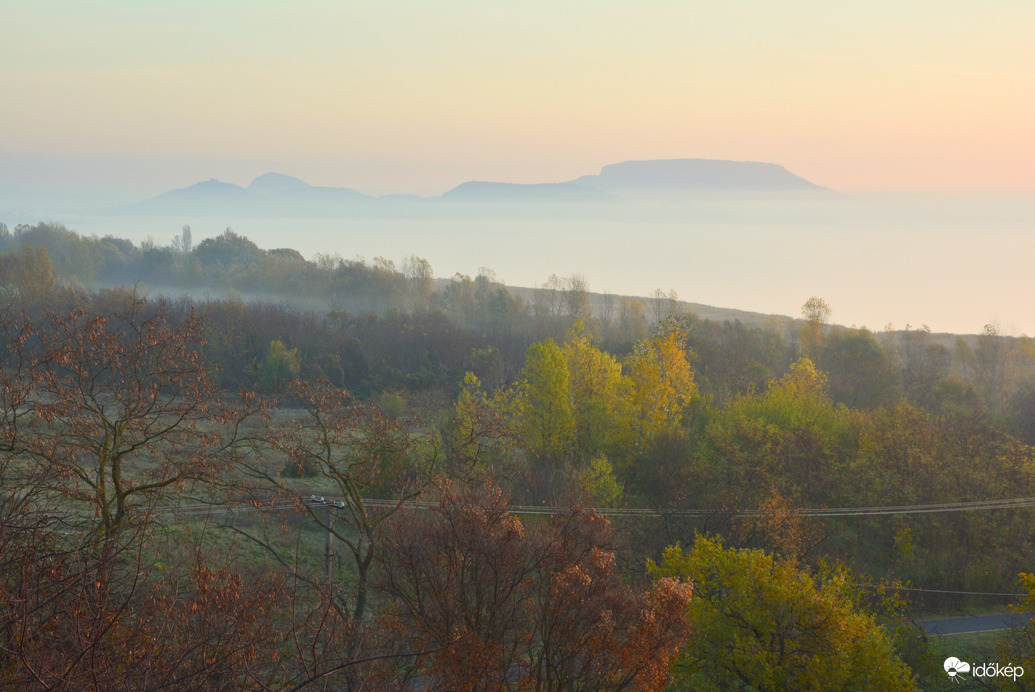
[597, 393]
[905, 456]
[598, 483]
[732, 359]
[479, 436]
[544, 402]
[763, 624]
[860, 373]
[924, 364]
[281, 363]
[72, 255]
[229, 252]
[790, 438]
[997, 365]
[29, 270]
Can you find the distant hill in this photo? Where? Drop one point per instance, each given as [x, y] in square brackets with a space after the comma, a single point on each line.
[690, 175]
[276, 194]
[273, 183]
[208, 197]
[285, 193]
[515, 192]
[271, 194]
[209, 189]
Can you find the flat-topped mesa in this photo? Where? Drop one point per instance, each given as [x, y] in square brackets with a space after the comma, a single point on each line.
[689, 175]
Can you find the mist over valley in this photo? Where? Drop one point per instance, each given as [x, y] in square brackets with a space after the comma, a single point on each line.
[748, 236]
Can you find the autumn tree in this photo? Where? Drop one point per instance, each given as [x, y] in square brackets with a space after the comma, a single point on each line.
[106, 618]
[103, 418]
[764, 624]
[581, 416]
[778, 528]
[662, 382]
[122, 410]
[72, 256]
[509, 606]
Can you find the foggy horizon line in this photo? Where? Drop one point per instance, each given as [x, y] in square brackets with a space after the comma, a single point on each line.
[83, 176]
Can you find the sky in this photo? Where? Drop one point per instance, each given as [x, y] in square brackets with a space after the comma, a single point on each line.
[419, 96]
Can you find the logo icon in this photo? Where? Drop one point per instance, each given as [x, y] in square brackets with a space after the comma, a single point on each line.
[953, 666]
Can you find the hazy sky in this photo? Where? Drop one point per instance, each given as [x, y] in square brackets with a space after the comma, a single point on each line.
[419, 96]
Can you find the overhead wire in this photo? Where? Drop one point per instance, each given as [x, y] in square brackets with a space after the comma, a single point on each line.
[332, 503]
[375, 503]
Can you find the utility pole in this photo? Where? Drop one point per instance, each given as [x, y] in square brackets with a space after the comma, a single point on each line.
[329, 552]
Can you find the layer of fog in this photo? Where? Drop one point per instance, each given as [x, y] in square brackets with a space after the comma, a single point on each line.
[952, 263]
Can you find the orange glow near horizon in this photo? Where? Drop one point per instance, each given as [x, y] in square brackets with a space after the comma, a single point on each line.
[420, 96]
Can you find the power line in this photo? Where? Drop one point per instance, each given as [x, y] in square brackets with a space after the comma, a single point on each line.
[957, 593]
[203, 509]
[378, 503]
[981, 505]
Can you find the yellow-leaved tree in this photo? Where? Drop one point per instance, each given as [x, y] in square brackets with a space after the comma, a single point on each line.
[662, 383]
[763, 624]
[598, 394]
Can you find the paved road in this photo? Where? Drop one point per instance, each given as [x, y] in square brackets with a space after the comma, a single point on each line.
[976, 623]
